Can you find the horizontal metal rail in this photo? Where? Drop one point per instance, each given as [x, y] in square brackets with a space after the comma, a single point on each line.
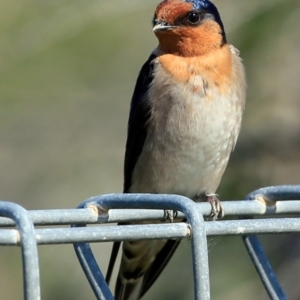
[90, 216]
[269, 196]
[52, 236]
[25, 237]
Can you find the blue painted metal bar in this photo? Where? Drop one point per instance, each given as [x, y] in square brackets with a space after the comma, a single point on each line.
[100, 234]
[31, 277]
[139, 207]
[89, 216]
[168, 202]
[92, 271]
[269, 196]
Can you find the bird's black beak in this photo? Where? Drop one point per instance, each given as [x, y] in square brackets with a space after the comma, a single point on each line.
[160, 25]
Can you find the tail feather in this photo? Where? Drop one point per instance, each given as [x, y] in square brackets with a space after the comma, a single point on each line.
[141, 264]
[128, 290]
[112, 260]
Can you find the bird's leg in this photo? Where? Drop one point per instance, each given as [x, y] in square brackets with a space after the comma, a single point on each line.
[217, 211]
[170, 215]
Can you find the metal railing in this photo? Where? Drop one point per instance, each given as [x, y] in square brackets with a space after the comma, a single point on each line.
[113, 208]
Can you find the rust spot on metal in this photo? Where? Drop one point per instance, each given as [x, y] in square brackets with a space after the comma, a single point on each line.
[265, 201]
[97, 210]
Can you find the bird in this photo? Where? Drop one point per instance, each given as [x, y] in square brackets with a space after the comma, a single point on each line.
[184, 121]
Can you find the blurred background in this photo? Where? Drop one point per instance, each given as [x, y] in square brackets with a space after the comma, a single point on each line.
[67, 72]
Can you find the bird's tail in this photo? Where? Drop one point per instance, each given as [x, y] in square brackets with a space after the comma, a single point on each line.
[129, 290]
[141, 264]
[137, 258]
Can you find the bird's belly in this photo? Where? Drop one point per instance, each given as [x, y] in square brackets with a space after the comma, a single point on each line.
[186, 171]
[187, 151]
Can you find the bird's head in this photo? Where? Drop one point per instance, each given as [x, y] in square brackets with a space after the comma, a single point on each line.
[188, 27]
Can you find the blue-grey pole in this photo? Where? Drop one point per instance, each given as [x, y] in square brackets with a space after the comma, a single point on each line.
[31, 277]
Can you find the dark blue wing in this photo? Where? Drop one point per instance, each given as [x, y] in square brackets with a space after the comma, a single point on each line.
[137, 124]
[137, 131]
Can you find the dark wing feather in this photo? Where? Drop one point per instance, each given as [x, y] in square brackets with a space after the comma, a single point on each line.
[112, 260]
[138, 118]
[137, 131]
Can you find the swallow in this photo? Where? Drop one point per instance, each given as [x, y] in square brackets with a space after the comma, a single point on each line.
[184, 121]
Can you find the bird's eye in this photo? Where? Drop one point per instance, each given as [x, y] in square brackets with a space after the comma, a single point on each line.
[194, 18]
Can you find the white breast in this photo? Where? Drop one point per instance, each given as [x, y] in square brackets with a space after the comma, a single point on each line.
[189, 137]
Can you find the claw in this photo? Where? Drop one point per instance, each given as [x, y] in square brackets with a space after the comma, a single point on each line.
[170, 215]
[217, 211]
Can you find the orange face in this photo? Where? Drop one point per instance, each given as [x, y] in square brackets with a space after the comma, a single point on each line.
[169, 10]
[184, 31]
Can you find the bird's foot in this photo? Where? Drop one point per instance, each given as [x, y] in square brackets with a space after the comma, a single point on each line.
[170, 215]
[217, 211]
